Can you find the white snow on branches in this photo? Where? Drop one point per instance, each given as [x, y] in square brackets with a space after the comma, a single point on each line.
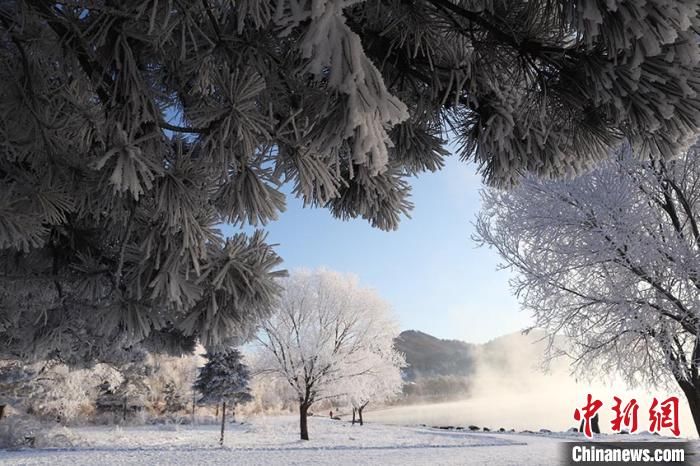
[335, 53]
[612, 260]
[331, 339]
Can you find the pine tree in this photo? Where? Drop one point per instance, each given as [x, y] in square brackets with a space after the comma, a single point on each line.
[131, 129]
[224, 379]
[173, 400]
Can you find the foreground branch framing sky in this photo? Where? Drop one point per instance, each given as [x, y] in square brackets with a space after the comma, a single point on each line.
[131, 130]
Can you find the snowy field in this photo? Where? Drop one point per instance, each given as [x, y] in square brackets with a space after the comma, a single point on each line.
[274, 440]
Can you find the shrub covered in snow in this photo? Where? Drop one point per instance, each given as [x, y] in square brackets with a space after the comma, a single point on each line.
[27, 432]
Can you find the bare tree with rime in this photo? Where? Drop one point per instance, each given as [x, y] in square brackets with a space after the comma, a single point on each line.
[611, 260]
[328, 338]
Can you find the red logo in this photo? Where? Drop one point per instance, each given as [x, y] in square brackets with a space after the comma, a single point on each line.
[665, 416]
[588, 412]
[626, 416]
[662, 415]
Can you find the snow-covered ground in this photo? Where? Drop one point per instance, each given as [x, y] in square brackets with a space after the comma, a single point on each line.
[274, 440]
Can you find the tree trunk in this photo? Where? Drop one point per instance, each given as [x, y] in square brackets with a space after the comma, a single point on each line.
[194, 402]
[303, 413]
[2, 411]
[124, 409]
[360, 409]
[223, 422]
[692, 394]
[354, 410]
[216, 413]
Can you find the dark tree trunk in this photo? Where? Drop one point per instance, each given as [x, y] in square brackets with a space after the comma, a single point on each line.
[359, 411]
[692, 394]
[124, 409]
[216, 413]
[691, 385]
[2, 411]
[354, 410]
[223, 422]
[194, 402]
[303, 414]
[595, 424]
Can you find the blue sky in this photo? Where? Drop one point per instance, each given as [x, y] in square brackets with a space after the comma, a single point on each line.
[430, 270]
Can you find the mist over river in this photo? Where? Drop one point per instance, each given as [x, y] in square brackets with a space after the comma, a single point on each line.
[520, 412]
[513, 392]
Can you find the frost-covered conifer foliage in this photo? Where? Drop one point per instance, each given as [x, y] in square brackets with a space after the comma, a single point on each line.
[611, 260]
[130, 129]
[224, 378]
[330, 339]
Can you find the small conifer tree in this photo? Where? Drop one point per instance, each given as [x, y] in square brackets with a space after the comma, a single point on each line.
[224, 379]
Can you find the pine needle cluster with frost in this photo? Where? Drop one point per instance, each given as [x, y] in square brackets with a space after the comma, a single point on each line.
[129, 130]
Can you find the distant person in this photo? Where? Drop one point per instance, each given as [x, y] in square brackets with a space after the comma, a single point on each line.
[331, 414]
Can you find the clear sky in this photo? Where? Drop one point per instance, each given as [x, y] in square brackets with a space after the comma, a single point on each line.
[430, 269]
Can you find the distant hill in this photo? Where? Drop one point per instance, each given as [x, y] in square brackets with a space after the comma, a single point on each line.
[428, 356]
[450, 369]
[436, 369]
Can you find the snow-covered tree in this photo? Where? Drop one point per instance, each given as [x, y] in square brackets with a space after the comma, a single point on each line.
[53, 391]
[271, 395]
[131, 129]
[174, 401]
[128, 394]
[224, 379]
[611, 259]
[381, 382]
[170, 382]
[15, 377]
[65, 394]
[327, 334]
